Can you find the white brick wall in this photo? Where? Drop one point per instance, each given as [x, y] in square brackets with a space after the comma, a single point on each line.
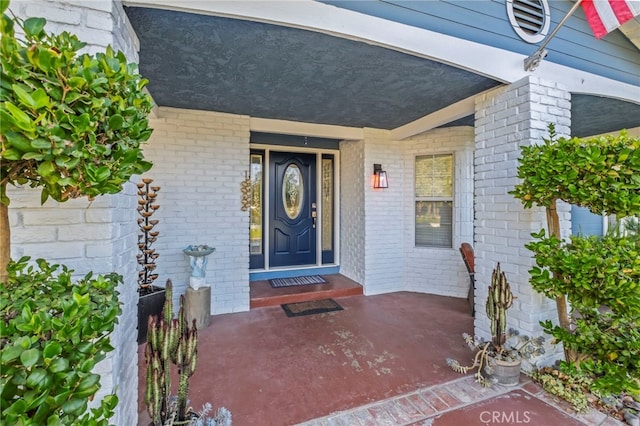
[383, 215]
[125, 358]
[200, 159]
[87, 236]
[507, 118]
[96, 236]
[124, 37]
[429, 269]
[377, 233]
[353, 183]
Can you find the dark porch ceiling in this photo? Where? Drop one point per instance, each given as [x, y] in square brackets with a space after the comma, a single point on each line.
[268, 71]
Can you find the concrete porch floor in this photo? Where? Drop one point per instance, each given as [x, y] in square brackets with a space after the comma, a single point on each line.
[380, 361]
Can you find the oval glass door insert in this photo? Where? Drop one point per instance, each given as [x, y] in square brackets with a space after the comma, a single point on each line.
[292, 191]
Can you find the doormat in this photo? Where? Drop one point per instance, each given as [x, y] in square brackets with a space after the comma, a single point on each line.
[288, 282]
[309, 308]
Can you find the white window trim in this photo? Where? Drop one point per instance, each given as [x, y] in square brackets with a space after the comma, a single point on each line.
[451, 199]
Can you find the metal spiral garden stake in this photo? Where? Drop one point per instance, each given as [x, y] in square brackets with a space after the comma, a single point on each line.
[499, 299]
[171, 340]
[147, 256]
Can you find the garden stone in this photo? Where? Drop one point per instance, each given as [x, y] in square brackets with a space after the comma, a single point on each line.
[610, 401]
[631, 419]
[629, 402]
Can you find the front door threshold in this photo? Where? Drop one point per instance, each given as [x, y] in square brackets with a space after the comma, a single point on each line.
[262, 294]
[293, 272]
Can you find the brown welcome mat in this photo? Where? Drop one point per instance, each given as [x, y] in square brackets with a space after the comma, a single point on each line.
[288, 282]
[309, 308]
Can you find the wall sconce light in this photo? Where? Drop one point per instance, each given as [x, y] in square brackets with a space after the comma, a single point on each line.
[379, 177]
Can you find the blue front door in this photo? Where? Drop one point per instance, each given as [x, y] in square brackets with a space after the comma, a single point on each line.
[292, 230]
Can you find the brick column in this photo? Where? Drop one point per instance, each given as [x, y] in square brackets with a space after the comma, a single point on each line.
[506, 119]
[98, 236]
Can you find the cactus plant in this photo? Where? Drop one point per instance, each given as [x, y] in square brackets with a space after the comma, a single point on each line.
[508, 346]
[170, 340]
[499, 299]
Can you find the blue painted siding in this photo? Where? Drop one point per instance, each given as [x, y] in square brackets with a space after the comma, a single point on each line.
[486, 22]
[583, 222]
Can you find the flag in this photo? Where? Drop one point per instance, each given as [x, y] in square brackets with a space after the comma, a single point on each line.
[605, 16]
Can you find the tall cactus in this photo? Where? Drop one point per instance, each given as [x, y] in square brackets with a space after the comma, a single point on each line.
[499, 299]
[171, 340]
[185, 357]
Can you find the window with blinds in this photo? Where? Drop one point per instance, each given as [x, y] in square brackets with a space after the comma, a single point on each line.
[434, 200]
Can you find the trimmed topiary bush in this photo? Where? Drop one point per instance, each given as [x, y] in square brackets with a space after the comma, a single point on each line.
[71, 124]
[599, 277]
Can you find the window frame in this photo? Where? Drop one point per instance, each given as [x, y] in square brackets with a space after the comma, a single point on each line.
[451, 199]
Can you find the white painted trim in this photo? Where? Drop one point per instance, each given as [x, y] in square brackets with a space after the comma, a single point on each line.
[634, 132]
[288, 148]
[319, 208]
[266, 240]
[337, 194]
[446, 115]
[336, 220]
[286, 127]
[504, 66]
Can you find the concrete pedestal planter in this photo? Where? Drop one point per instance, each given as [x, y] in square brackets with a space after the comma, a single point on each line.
[197, 306]
[506, 373]
[149, 303]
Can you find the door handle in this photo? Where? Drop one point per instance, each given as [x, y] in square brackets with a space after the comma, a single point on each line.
[314, 215]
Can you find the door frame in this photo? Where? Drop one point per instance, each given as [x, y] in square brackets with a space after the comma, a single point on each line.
[318, 178]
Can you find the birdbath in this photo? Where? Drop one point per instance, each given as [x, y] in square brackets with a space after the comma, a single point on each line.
[197, 301]
[198, 259]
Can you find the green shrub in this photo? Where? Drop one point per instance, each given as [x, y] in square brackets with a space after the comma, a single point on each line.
[572, 385]
[602, 174]
[596, 271]
[599, 277]
[54, 332]
[71, 124]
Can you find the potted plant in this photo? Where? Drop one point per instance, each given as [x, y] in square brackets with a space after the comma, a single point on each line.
[174, 341]
[499, 361]
[150, 297]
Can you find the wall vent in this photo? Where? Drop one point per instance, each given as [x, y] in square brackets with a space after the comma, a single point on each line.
[529, 18]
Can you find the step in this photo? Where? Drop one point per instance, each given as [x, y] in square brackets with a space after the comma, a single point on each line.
[262, 294]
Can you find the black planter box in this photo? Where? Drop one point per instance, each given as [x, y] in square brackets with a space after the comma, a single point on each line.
[149, 304]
